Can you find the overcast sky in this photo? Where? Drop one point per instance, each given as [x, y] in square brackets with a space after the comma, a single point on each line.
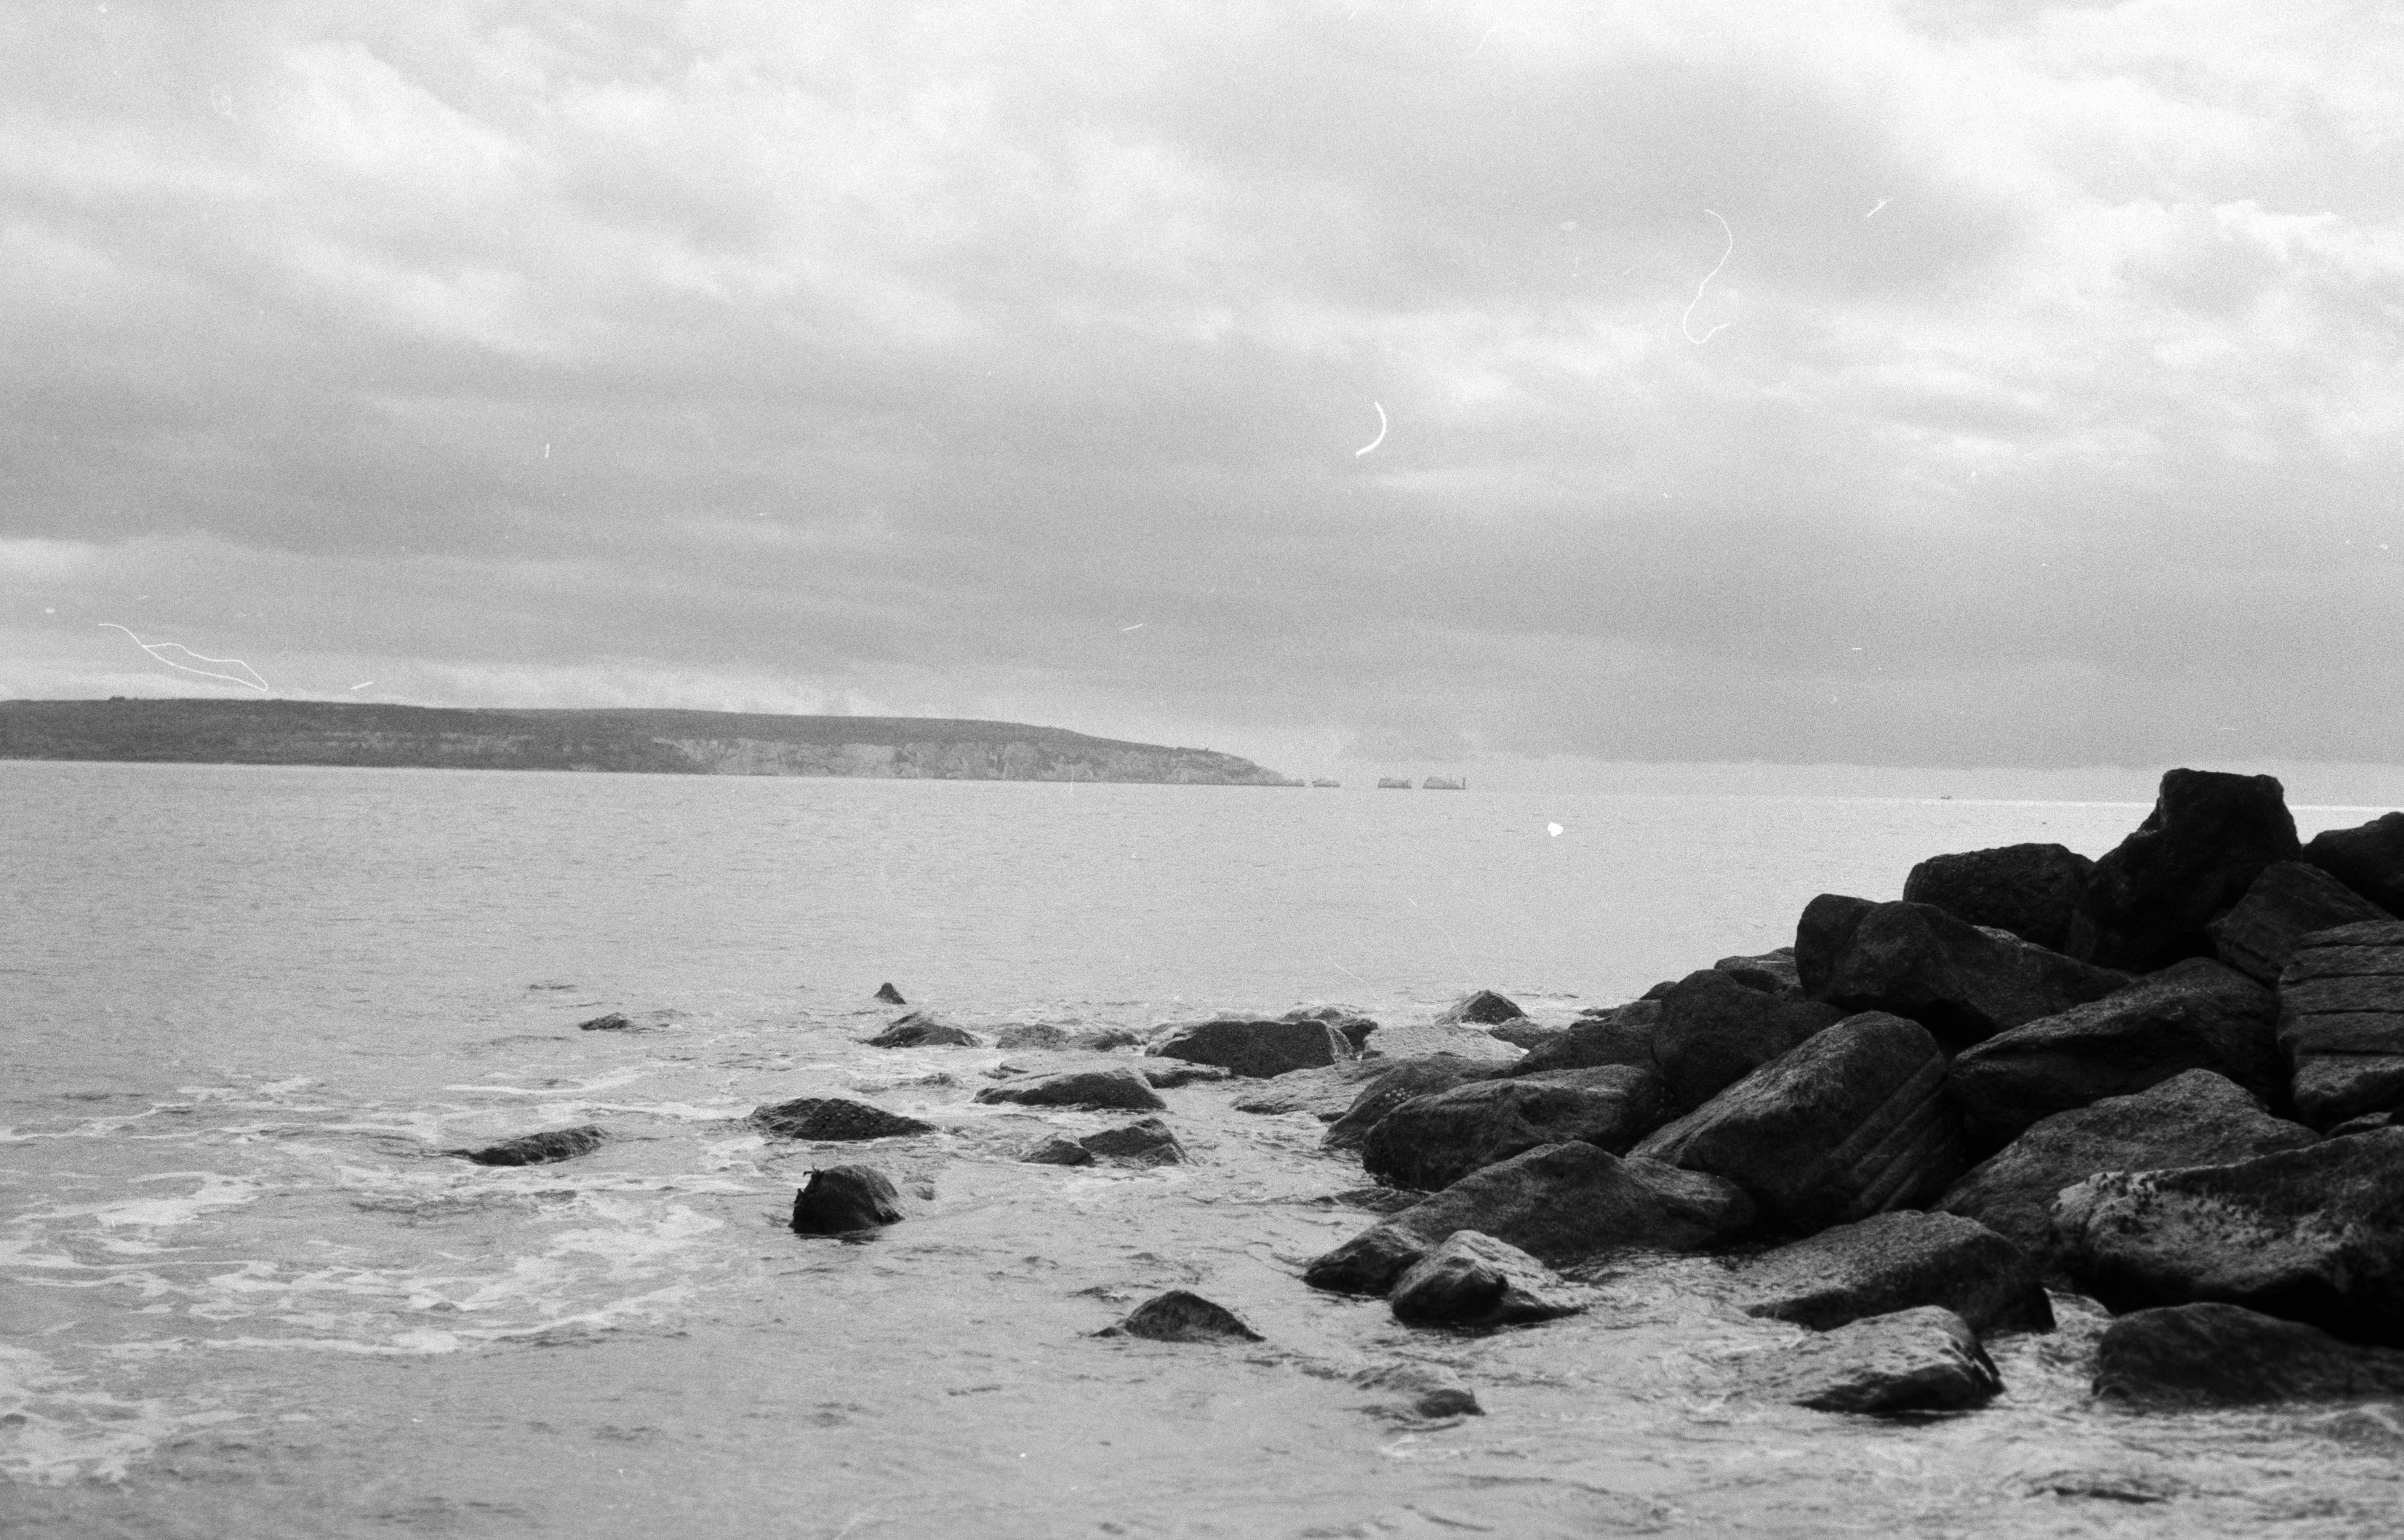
[1933, 383]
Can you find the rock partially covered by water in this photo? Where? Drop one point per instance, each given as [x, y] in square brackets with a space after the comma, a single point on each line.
[537, 1149]
[1409, 1078]
[1433, 1141]
[1897, 1261]
[1354, 1025]
[1621, 1035]
[1056, 1149]
[1918, 1360]
[1148, 1141]
[1181, 1316]
[2341, 1021]
[891, 996]
[2193, 1118]
[2313, 1235]
[1257, 1049]
[2028, 890]
[1560, 1203]
[1106, 1090]
[2198, 1014]
[1418, 1391]
[1916, 961]
[614, 1021]
[1715, 1029]
[1473, 1280]
[2367, 858]
[922, 1029]
[2289, 901]
[833, 1117]
[2211, 1355]
[1324, 1093]
[841, 1199]
[1483, 1008]
[2208, 837]
[1852, 1123]
[1169, 1073]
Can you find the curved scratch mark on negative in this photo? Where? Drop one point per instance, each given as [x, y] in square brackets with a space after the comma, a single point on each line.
[1682, 327]
[1381, 432]
[159, 651]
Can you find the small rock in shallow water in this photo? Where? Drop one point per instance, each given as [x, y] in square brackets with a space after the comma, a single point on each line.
[1055, 1150]
[1912, 1361]
[1111, 1089]
[1483, 1009]
[2228, 1355]
[891, 996]
[1033, 1034]
[1168, 1074]
[841, 1199]
[833, 1118]
[1473, 1280]
[1148, 1143]
[1255, 1047]
[536, 1150]
[1180, 1317]
[611, 1022]
[921, 1030]
[1419, 1390]
[1895, 1261]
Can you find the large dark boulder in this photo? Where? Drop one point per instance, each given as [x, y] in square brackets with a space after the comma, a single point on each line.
[1182, 1316]
[2313, 1235]
[833, 1118]
[539, 1150]
[1560, 1203]
[1106, 1090]
[2193, 1118]
[1920, 1360]
[1962, 983]
[1473, 1280]
[2341, 1022]
[2208, 837]
[1770, 972]
[1821, 936]
[1257, 1048]
[2198, 1014]
[922, 1029]
[2368, 858]
[2227, 1355]
[1408, 1078]
[2028, 890]
[1896, 1261]
[2289, 902]
[1852, 1123]
[1715, 1030]
[1622, 1035]
[842, 1200]
[1483, 1008]
[1433, 1141]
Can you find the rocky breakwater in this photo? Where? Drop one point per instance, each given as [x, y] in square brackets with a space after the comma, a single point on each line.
[2171, 1079]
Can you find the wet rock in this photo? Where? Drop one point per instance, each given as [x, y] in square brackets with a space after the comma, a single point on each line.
[1257, 1048]
[1623, 1035]
[1356, 1026]
[2313, 1235]
[1417, 1389]
[1035, 1035]
[1057, 1150]
[1109, 1090]
[2367, 1123]
[2212, 1355]
[539, 1149]
[833, 1117]
[921, 1030]
[1821, 935]
[2193, 1118]
[1424, 1041]
[2341, 1021]
[2198, 1014]
[1714, 1030]
[1892, 1262]
[2028, 890]
[2367, 858]
[2289, 902]
[1920, 1360]
[841, 1199]
[1914, 960]
[1852, 1123]
[1103, 1039]
[1770, 972]
[2208, 837]
[1181, 1317]
[891, 996]
[1433, 1141]
[1560, 1203]
[611, 1022]
[1323, 1093]
[1483, 1009]
[1394, 1087]
[1473, 1280]
[1146, 1143]
[1169, 1073]
[1525, 1034]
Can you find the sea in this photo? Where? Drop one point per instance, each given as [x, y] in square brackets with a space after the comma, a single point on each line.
[245, 1289]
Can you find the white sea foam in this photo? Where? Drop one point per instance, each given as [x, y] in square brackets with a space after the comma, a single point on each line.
[52, 1432]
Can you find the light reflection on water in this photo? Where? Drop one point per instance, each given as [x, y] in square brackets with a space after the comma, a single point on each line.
[242, 1292]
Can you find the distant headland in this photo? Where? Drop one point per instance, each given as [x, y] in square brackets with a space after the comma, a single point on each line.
[671, 742]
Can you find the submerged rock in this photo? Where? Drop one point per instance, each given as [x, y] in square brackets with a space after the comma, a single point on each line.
[842, 1200]
[2341, 1021]
[1920, 1360]
[1714, 1030]
[2198, 1014]
[1433, 1141]
[614, 1021]
[1962, 983]
[1107, 1089]
[833, 1117]
[2207, 839]
[1391, 1089]
[539, 1150]
[1257, 1048]
[1483, 1008]
[1181, 1316]
[1146, 1143]
[1417, 1389]
[2367, 858]
[2193, 1118]
[1897, 1261]
[922, 1029]
[1473, 1280]
[2029, 890]
[891, 996]
[2214, 1354]
[2289, 901]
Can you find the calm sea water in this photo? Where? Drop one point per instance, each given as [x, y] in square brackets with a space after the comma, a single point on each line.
[241, 1291]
